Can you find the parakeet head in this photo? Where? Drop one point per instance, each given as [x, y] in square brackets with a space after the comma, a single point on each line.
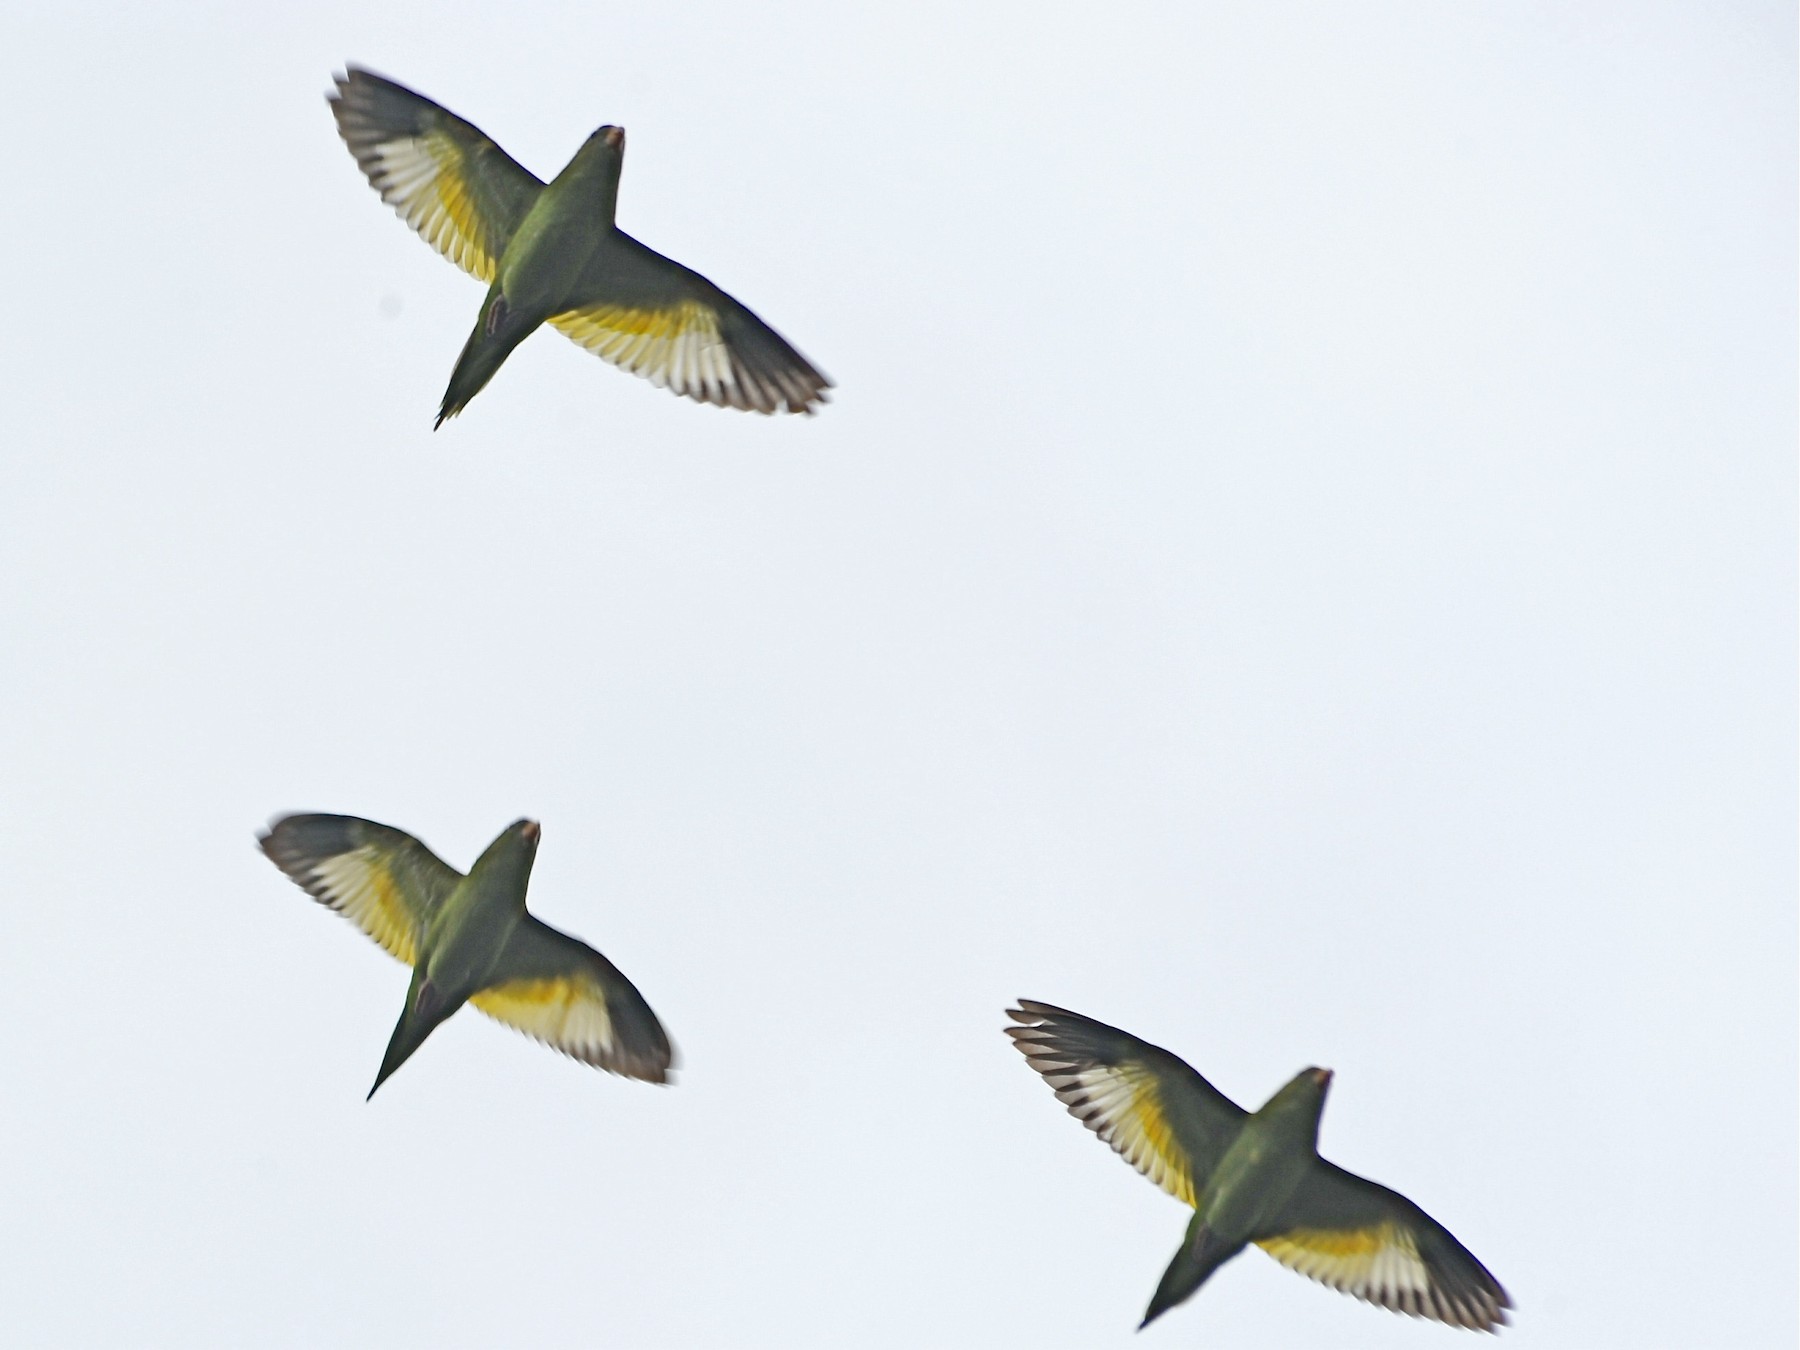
[1297, 1106]
[607, 142]
[590, 181]
[508, 859]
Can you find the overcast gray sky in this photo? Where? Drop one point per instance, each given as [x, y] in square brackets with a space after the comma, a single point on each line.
[1300, 565]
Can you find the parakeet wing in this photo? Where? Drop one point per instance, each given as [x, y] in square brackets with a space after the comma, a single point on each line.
[563, 992]
[1157, 1113]
[653, 317]
[1372, 1242]
[382, 879]
[447, 180]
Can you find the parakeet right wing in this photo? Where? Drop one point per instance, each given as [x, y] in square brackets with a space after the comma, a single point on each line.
[653, 317]
[1361, 1237]
[561, 991]
[1157, 1113]
[380, 878]
[447, 180]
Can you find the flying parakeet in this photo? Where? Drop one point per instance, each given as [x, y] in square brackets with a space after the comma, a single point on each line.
[551, 253]
[469, 940]
[1253, 1178]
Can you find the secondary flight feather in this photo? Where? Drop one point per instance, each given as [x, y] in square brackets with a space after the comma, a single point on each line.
[551, 253]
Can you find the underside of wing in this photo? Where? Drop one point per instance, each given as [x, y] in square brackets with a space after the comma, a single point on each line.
[564, 993]
[1156, 1112]
[380, 878]
[460, 191]
[655, 318]
[1369, 1241]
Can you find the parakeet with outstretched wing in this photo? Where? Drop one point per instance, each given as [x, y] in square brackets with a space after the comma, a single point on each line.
[469, 939]
[551, 253]
[1253, 1177]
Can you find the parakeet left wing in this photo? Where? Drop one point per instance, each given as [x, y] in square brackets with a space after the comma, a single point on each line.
[383, 880]
[1158, 1113]
[563, 992]
[1367, 1240]
[460, 191]
[653, 317]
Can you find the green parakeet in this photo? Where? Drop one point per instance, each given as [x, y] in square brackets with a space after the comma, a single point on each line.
[552, 253]
[470, 940]
[1253, 1177]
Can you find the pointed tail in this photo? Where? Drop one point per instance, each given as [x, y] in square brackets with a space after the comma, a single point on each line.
[423, 1010]
[498, 329]
[1200, 1255]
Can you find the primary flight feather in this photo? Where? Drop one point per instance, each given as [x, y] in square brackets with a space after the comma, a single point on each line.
[469, 939]
[1252, 1177]
[551, 253]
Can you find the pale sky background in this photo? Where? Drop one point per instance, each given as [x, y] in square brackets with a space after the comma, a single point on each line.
[1300, 565]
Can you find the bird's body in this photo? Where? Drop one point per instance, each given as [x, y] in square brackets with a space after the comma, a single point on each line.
[560, 233]
[1265, 1163]
[1253, 1178]
[470, 939]
[553, 253]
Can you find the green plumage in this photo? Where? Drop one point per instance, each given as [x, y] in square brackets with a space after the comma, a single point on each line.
[543, 262]
[554, 253]
[464, 941]
[1246, 1192]
[1252, 1178]
[470, 939]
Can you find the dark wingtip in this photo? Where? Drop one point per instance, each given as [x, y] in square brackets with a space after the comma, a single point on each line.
[293, 838]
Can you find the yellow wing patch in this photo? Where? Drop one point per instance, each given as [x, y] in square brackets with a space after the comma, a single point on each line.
[424, 179]
[678, 348]
[1122, 1103]
[1349, 1254]
[1382, 1265]
[566, 1013]
[360, 886]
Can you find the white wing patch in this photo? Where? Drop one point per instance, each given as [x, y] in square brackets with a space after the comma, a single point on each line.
[1121, 1103]
[421, 177]
[1382, 1265]
[677, 348]
[567, 1014]
[359, 886]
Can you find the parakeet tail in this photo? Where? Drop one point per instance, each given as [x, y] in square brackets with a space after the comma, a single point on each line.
[1200, 1255]
[418, 1019]
[498, 329]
